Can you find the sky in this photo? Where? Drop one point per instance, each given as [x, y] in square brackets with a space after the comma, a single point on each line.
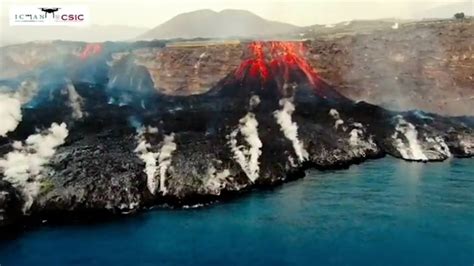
[150, 13]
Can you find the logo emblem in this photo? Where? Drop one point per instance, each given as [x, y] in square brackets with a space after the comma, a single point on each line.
[49, 11]
[67, 15]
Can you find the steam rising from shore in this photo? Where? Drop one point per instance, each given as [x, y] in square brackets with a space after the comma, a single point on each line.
[290, 128]
[22, 166]
[247, 157]
[10, 114]
[411, 150]
[339, 122]
[164, 159]
[148, 157]
[151, 159]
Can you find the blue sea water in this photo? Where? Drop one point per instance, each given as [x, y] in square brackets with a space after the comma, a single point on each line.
[384, 212]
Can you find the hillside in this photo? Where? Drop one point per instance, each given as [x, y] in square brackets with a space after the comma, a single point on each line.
[211, 24]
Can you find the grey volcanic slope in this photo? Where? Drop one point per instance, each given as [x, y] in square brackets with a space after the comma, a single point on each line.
[210, 24]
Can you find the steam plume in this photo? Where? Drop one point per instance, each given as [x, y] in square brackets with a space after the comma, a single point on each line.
[215, 181]
[10, 114]
[290, 128]
[412, 151]
[339, 122]
[198, 63]
[358, 141]
[151, 159]
[75, 101]
[22, 166]
[467, 144]
[164, 159]
[355, 137]
[247, 157]
[439, 145]
[10, 104]
[148, 157]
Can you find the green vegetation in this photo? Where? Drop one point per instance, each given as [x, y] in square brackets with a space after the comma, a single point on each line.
[459, 15]
[46, 186]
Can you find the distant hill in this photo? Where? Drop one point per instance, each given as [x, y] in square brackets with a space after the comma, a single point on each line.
[210, 24]
[447, 10]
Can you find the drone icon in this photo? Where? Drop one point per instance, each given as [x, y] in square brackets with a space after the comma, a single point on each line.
[49, 11]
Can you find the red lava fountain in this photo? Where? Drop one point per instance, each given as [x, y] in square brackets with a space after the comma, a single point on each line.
[90, 50]
[275, 60]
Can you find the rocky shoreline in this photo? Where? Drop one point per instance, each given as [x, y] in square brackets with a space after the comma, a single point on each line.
[97, 170]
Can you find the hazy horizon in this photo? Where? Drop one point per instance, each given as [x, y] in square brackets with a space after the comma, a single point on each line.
[148, 13]
[129, 19]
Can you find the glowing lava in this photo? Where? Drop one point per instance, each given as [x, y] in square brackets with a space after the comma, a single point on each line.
[276, 60]
[289, 55]
[256, 65]
[90, 50]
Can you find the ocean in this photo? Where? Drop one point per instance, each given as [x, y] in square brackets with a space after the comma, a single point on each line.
[381, 212]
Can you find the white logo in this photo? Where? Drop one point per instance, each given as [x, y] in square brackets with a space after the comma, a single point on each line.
[49, 15]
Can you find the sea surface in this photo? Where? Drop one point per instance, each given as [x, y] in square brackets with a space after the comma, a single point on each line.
[383, 212]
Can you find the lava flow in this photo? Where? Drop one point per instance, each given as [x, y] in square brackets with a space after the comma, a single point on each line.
[276, 60]
[90, 50]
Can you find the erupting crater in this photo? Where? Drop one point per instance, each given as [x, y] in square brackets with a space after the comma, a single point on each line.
[281, 62]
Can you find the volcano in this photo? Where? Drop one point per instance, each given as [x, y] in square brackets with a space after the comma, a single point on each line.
[118, 147]
[277, 62]
[277, 68]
